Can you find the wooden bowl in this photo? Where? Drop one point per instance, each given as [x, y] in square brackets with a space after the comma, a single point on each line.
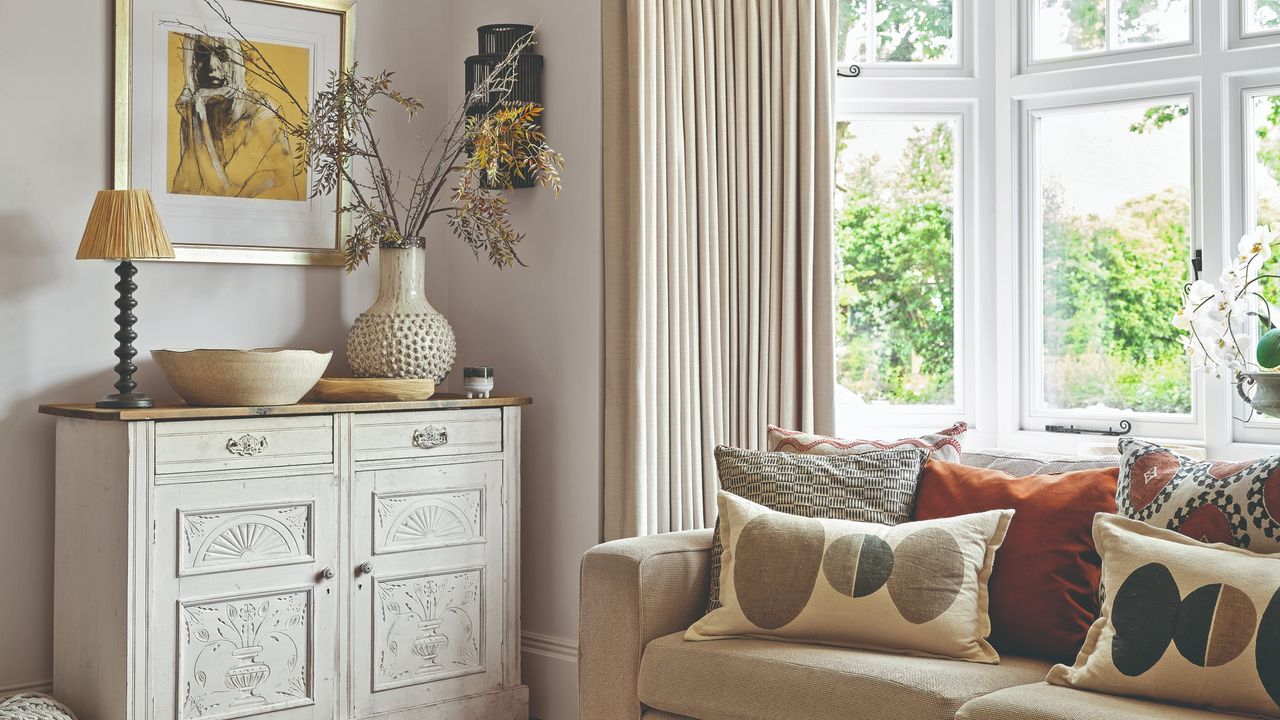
[235, 378]
[337, 390]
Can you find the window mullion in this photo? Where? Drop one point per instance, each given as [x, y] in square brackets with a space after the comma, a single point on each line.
[1110, 31]
[871, 33]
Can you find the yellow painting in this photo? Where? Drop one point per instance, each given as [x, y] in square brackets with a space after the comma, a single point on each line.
[225, 133]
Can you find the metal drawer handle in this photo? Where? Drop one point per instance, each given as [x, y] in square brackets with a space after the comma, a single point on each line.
[430, 437]
[247, 445]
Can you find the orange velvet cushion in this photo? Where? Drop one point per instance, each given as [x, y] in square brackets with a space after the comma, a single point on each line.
[1045, 584]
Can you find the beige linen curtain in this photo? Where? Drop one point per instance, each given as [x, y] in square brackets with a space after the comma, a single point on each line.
[718, 154]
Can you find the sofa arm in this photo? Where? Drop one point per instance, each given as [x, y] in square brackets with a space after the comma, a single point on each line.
[633, 591]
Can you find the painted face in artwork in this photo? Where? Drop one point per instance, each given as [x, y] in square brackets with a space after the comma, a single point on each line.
[229, 140]
[211, 65]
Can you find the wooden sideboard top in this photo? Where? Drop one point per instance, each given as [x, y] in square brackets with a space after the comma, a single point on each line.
[441, 401]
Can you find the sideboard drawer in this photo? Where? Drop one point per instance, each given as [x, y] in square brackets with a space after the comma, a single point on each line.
[439, 433]
[246, 443]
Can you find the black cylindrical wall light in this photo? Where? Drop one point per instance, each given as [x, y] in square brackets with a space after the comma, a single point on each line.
[495, 42]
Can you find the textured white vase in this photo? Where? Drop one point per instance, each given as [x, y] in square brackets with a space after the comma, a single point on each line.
[401, 335]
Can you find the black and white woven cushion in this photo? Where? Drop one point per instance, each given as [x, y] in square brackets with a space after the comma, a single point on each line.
[877, 486]
[1233, 503]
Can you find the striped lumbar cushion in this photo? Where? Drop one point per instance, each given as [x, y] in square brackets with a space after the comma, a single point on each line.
[944, 444]
[877, 486]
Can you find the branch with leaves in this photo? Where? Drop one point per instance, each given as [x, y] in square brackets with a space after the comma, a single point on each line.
[335, 139]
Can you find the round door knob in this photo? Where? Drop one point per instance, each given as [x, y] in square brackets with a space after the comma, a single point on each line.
[328, 573]
[366, 568]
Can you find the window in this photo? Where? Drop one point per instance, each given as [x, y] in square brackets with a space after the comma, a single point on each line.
[897, 31]
[1261, 143]
[1069, 28]
[895, 213]
[1111, 214]
[1014, 229]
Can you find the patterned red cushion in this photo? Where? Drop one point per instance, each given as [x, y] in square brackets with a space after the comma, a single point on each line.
[943, 445]
[1233, 503]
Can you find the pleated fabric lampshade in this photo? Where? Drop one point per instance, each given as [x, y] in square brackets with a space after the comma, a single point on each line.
[124, 225]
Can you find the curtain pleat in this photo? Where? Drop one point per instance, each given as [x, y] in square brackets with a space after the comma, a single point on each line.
[718, 243]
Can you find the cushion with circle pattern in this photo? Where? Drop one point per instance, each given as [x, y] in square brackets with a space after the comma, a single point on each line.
[1181, 621]
[918, 588]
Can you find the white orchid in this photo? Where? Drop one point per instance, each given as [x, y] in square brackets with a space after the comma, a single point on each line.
[1257, 244]
[1217, 317]
[1182, 319]
[1234, 279]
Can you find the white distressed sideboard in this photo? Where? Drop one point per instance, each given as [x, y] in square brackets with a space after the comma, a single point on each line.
[308, 562]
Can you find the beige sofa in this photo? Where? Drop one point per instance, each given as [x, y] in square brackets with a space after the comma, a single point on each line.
[639, 596]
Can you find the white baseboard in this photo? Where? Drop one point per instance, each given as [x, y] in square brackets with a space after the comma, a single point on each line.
[550, 666]
[43, 686]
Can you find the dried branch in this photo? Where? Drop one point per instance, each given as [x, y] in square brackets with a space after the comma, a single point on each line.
[503, 142]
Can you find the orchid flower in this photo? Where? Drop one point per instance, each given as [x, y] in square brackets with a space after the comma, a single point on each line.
[1217, 317]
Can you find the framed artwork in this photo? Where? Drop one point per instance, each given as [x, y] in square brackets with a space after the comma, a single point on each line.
[207, 136]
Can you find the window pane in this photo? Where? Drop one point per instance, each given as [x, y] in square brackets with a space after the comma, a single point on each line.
[1264, 159]
[910, 31]
[895, 206]
[1114, 183]
[851, 32]
[915, 31]
[1263, 163]
[1069, 27]
[1151, 22]
[1261, 15]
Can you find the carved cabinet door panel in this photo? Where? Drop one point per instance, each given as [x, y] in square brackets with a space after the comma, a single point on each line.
[243, 615]
[427, 611]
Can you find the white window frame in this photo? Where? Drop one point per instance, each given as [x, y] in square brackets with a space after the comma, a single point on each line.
[1109, 55]
[1218, 200]
[1035, 414]
[927, 89]
[1241, 90]
[962, 25]
[994, 93]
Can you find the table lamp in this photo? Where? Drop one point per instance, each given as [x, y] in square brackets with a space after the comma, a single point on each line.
[124, 226]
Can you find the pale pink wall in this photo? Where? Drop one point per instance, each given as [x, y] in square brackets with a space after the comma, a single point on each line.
[541, 329]
[56, 314]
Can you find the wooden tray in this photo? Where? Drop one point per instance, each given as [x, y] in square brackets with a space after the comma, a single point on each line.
[371, 390]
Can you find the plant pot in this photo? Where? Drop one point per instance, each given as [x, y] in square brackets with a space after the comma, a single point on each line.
[1266, 395]
[401, 335]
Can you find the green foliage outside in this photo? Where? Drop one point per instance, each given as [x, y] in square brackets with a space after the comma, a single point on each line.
[894, 275]
[906, 30]
[1110, 285]
[1273, 6]
[920, 30]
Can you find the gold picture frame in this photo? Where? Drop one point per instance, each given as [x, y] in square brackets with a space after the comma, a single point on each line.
[126, 64]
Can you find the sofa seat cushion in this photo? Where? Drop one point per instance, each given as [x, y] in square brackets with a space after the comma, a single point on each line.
[766, 680]
[1042, 701]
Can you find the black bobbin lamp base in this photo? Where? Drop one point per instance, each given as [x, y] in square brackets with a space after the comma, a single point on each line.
[126, 397]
